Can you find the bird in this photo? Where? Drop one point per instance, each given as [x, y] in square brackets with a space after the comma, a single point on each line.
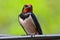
[28, 21]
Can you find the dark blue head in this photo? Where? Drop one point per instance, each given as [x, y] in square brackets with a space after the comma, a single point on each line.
[27, 8]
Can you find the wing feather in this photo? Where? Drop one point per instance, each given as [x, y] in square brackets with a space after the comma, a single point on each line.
[20, 23]
[38, 27]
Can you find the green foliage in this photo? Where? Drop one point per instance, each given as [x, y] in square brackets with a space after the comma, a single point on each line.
[46, 11]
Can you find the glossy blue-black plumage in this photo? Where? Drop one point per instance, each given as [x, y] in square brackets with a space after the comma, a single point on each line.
[38, 27]
[24, 15]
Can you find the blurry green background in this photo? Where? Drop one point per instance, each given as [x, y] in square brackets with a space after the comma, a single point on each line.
[46, 11]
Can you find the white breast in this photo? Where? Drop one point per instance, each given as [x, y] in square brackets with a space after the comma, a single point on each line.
[28, 25]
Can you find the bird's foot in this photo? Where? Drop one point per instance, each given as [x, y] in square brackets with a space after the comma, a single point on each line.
[32, 35]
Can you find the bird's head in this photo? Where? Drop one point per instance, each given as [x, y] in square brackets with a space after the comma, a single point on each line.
[27, 8]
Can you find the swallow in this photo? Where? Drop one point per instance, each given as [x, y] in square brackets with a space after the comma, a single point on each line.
[28, 21]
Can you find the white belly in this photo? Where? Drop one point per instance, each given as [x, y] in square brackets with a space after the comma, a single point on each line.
[28, 25]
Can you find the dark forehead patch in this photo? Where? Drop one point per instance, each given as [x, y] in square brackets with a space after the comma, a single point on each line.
[25, 5]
